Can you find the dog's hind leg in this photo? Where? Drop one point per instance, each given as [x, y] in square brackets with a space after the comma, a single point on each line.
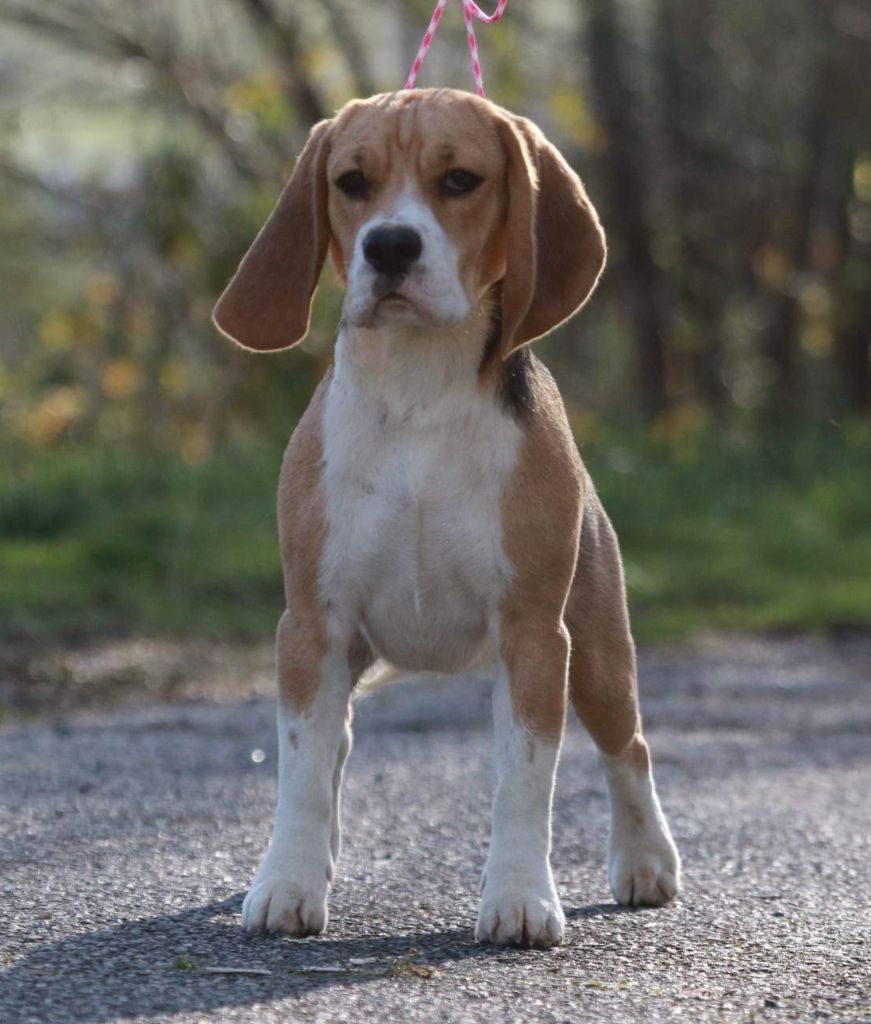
[338, 771]
[360, 660]
[643, 862]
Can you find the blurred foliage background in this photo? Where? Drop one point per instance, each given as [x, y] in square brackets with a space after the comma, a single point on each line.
[719, 384]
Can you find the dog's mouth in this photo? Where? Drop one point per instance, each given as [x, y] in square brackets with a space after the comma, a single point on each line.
[392, 298]
[396, 306]
[389, 296]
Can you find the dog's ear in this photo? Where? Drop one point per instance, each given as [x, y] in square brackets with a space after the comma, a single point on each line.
[267, 304]
[556, 246]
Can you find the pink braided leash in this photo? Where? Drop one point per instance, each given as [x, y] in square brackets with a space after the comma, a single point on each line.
[470, 11]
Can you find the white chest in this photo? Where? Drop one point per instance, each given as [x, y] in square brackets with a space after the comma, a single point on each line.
[414, 479]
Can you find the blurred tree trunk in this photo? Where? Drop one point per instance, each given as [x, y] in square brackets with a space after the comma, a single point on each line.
[682, 37]
[779, 342]
[853, 353]
[852, 295]
[624, 159]
[852, 285]
[835, 136]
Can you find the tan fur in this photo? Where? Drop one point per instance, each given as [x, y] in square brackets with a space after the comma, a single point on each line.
[266, 306]
[302, 523]
[602, 674]
[397, 140]
[555, 241]
[540, 519]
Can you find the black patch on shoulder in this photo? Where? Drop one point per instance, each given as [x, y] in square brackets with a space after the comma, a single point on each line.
[515, 386]
[514, 390]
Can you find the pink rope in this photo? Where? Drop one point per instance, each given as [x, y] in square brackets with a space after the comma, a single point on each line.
[470, 11]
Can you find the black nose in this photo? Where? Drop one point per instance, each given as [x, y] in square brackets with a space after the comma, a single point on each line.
[392, 250]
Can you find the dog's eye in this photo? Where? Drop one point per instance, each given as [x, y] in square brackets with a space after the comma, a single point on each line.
[460, 183]
[353, 184]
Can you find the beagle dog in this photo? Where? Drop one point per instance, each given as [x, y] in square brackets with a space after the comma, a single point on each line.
[432, 504]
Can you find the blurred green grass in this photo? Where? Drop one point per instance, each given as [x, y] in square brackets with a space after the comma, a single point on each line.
[100, 543]
[730, 536]
[716, 535]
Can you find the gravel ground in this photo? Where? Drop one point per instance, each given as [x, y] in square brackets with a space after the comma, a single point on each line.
[126, 840]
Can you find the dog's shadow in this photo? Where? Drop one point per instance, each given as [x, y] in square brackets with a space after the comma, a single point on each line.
[157, 966]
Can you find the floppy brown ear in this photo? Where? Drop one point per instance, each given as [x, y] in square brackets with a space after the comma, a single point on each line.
[556, 246]
[267, 304]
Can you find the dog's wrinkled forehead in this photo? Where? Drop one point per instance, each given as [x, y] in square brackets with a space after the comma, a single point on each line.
[415, 136]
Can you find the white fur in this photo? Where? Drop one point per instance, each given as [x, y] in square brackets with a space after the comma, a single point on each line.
[643, 862]
[289, 891]
[416, 463]
[432, 286]
[519, 901]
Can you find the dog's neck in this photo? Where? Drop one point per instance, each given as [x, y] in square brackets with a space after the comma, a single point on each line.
[409, 371]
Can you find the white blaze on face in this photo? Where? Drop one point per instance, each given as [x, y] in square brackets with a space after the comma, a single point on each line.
[432, 285]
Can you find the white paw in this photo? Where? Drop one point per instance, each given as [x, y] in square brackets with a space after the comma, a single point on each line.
[286, 900]
[644, 870]
[520, 912]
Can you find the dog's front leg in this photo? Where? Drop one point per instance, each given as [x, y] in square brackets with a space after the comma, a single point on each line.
[289, 891]
[519, 902]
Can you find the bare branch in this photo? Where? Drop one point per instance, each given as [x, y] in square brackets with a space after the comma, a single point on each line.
[185, 81]
[284, 36]
[92, 199]
[351, 46]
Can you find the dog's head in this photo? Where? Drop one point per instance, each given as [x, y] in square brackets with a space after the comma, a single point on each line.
[425, 200]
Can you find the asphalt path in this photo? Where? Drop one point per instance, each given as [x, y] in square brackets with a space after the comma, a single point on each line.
[127, 839]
